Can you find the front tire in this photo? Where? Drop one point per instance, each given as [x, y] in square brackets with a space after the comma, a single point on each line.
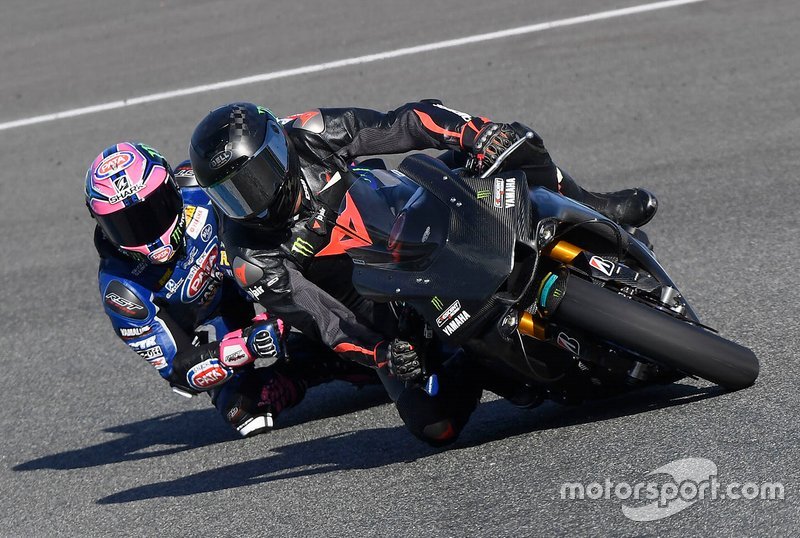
[655, 335]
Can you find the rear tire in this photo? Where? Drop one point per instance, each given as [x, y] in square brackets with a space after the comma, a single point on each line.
[656, 335]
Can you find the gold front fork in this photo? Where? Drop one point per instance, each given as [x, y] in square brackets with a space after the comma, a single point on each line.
[562, 252]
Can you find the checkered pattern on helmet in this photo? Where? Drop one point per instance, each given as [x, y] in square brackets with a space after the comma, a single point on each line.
[237, 127]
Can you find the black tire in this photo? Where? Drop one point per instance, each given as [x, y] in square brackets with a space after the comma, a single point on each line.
[655, 335]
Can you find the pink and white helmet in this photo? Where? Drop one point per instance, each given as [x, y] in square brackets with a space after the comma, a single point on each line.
[132, 194]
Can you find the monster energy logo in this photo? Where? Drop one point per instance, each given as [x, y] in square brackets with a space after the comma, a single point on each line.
[437, 303]
[484, 194]
[153, 153]
[302, 247]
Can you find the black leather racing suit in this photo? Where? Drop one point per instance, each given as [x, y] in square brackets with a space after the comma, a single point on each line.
[283, 269]
[302, 274]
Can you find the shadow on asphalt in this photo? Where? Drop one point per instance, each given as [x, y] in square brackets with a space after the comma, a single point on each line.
[177, 432]
[370, 448]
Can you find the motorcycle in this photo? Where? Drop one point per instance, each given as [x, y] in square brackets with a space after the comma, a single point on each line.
[538, 286]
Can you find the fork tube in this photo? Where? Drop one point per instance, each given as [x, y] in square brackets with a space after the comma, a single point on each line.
[563, 252]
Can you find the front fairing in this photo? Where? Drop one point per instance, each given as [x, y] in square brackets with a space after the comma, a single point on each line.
[394, 223]
[433, 239]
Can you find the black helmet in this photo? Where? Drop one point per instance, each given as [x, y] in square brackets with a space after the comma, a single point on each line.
[244, 161]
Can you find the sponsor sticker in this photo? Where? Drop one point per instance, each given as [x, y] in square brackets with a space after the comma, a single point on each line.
[151, 353]
[302, 247]
[125, 306]
[188, 212]
[233, 355]
[162, 254]
[205, 233]
[173, 286]
[144, 344]
[255, 292]
[196, 223]
[201, 274]
[426, 234]
[456, 323]
[158, 362]
[601, 264]
[437, 303]
[448, 314]
[206, 374]
[113, 164]
[567, 342]
[464, 116]
[124, 192]
[220, 159]
[245, 272]
[504, 192]
[134, 332]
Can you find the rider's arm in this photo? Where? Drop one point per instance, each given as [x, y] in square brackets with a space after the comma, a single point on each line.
[356, 132]
[280, 288]
[150, 331]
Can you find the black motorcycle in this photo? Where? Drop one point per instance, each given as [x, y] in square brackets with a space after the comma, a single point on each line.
[547, 291]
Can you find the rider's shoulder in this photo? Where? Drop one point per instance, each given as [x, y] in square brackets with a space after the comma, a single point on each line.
[124, 298]
[311, 121]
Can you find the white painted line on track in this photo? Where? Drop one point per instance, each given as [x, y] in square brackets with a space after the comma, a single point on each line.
[263, 77]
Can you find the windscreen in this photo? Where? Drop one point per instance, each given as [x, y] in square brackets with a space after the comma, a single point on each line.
[406, 224]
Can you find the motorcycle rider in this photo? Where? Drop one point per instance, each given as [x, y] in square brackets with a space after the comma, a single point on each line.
[168, 290]
[279, 183]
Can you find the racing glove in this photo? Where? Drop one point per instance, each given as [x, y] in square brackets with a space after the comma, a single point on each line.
[262, 340]
[488, 144]
[403, 361]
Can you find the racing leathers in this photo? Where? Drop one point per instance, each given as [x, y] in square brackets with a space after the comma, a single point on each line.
[184, 317]
[302, 273]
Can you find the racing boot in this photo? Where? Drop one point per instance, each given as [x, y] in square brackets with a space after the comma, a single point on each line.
[628, 207]
[254, 397]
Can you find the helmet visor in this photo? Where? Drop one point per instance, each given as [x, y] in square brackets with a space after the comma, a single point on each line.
[143, 222]
[254, 188]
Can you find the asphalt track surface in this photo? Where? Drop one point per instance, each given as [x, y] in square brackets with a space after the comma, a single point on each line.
[698, 102]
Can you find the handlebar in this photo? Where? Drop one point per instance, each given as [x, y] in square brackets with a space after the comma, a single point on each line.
[503, 156]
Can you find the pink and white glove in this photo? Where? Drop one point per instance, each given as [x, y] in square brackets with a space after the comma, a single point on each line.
[262, 340]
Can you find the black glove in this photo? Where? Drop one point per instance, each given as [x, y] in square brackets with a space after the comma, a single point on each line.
[488, 144]
[403, 361]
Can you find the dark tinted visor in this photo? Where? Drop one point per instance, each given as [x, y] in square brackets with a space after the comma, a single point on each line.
[143, 222]
[255, 187]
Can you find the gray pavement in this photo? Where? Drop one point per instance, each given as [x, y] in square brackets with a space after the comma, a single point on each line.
[700, 103]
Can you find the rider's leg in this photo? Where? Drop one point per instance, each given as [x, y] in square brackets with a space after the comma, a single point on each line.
[632, 207]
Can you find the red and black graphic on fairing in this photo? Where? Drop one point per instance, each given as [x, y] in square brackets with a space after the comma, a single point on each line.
[349, 231]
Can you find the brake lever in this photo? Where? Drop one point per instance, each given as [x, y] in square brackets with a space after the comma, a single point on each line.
[503, 156]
